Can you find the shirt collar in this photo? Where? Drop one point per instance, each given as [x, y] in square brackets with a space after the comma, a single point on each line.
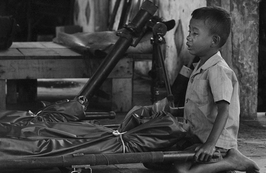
[211, 61]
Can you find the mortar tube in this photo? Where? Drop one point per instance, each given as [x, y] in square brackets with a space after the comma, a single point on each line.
[134, 28]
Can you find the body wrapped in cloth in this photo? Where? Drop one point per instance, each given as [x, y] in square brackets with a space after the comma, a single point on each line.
[24, 134]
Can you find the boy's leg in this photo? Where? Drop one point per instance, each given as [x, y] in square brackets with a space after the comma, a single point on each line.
[234, 160]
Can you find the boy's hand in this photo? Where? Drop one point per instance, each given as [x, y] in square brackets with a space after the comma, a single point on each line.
[204, 152]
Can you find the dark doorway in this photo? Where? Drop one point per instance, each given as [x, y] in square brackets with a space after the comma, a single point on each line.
[262, 58]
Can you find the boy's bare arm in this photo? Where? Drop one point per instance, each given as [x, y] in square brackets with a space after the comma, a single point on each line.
[205, 152]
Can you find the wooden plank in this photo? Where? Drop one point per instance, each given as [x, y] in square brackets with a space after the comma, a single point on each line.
[46, 53]
[10, 53]
[27, 45]
[67, 53]
[53, 45]
[41, 50]
[49, 68]
[58, 68]
[32, 45]
[39, 53]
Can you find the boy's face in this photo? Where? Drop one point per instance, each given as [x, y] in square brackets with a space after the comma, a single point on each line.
[199, 40]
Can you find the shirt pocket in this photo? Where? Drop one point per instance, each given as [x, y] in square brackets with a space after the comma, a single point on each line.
[201, 88]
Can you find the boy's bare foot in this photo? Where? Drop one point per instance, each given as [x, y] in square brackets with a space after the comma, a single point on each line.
[240, 162]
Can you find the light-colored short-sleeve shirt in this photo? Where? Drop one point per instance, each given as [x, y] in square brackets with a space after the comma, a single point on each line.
[214, 81]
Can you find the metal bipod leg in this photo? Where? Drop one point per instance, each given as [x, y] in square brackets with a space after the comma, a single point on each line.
[80, 168]
[159, 31]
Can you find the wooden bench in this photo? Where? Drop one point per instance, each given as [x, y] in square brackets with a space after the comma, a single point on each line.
[37, 60]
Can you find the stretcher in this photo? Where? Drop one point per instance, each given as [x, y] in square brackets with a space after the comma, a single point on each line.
[38, 141]
[85, 161]
[144, 136]
[60, 136]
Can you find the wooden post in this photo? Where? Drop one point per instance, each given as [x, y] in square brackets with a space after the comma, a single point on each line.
[3, 94]
[241, 50]
[245, 43]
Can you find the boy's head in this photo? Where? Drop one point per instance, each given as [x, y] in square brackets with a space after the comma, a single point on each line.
[216, 19]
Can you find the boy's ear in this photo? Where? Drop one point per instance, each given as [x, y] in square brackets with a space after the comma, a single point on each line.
[216, 40]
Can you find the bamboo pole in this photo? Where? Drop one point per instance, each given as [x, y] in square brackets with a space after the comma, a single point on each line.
[93, 159]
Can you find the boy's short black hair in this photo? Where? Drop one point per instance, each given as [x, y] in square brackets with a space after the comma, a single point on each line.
[217, 19]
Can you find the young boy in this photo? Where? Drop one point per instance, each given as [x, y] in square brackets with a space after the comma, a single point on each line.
[211, 110]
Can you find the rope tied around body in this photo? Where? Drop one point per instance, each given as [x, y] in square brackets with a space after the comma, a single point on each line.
[117, 133]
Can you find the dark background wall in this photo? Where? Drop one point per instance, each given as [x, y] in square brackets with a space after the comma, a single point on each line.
[262, 58]
[38, 17]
